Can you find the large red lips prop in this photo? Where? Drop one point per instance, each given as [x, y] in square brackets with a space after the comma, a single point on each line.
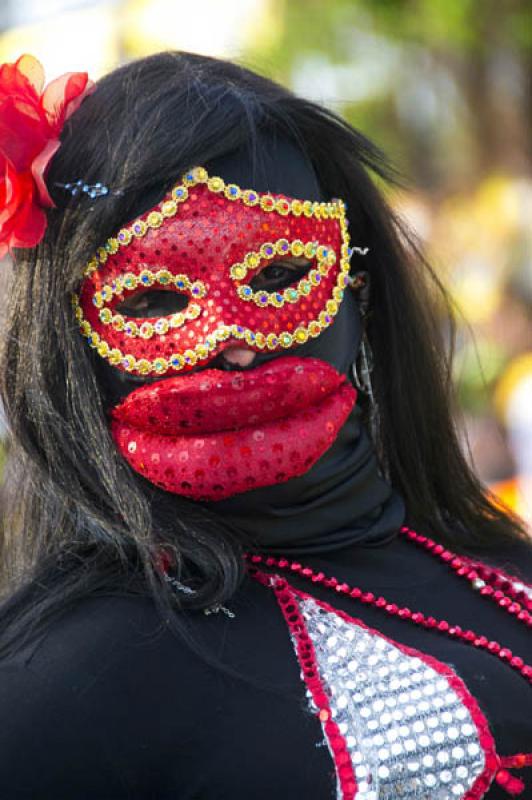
[213, 434]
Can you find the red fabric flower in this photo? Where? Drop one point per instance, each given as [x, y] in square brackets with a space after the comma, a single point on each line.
[31, 121]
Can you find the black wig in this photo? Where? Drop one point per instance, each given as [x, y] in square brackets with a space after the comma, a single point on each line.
[79, 520]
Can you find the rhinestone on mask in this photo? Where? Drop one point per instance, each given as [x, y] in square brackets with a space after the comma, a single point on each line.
[199, 226]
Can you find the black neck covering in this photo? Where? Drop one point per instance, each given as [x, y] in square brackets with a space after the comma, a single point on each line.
[343, 499]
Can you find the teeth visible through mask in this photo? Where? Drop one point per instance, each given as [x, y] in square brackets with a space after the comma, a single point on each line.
[239, 356]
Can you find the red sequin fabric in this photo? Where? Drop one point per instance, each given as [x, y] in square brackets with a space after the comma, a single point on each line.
[214, 434]
[207, 240]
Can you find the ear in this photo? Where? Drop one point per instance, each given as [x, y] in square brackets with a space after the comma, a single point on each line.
[359, 283]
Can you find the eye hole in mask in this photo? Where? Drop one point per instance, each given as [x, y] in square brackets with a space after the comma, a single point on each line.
[280, 274]
[150, 303]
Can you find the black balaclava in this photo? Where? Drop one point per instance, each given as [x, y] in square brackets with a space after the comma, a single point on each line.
[343, 499]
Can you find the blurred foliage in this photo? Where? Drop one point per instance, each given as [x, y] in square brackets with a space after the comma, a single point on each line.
[443, 87]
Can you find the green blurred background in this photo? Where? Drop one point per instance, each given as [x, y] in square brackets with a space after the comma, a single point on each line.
[443, 87]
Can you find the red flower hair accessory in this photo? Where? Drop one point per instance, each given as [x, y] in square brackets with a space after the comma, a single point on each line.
[31, 121]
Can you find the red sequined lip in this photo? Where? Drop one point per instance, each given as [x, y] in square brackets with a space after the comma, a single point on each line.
[213, 434]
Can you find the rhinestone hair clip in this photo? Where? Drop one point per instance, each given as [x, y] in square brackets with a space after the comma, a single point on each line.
[92, 190]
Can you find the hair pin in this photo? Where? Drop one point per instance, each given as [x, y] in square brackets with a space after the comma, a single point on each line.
[92, 190]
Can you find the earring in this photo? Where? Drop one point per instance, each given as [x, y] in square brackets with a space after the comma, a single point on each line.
[363, 364]
[362, 368]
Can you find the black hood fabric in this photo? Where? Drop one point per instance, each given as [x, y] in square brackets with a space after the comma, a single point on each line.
[343, 499]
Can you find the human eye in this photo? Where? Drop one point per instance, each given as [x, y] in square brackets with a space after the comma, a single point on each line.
[148, 303]
[280, 274]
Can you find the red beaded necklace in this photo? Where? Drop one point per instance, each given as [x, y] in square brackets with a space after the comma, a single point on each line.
[509, 592]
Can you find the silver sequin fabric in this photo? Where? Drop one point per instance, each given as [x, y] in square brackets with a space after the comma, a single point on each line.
[408, 732]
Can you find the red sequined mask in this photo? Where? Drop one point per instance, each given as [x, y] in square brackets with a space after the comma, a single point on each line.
[210, 434]
[206, 241]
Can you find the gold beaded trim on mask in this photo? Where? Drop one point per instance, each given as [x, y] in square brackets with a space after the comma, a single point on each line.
[325, 257]
[146, 278]
[179, 194]
[201, 351]
[149, 328]
[168, 208]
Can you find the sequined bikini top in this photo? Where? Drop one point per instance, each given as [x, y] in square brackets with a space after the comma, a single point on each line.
[398, 722]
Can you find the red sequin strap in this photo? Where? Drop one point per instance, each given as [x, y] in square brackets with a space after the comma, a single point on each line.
[416, 617]
[306, 656]
[518, 761]
[509, 592]
[511, 784]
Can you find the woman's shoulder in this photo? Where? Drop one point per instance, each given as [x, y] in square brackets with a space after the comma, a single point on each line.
[46, 702]
[84, 688]
[97, 638]
[98, 645]
[88, 631]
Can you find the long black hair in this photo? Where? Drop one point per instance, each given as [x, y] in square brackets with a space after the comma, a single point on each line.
[80, 521]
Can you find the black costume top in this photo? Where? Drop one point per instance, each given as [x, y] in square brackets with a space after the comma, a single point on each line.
[110, 705]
